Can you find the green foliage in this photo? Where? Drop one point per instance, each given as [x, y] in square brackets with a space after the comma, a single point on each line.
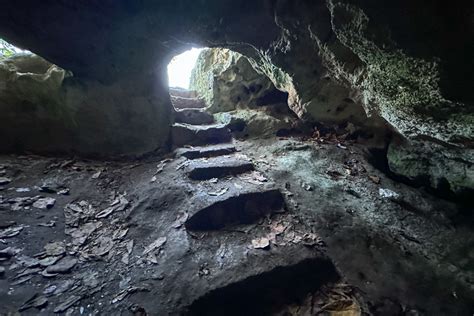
[7, 49]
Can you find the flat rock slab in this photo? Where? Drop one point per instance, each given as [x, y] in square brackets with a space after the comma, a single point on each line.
[241, 208]
[194, 117]
[199, 135]
[218, 167]
[187, 103]
[183, 93]
[206, 151]
[63, 266]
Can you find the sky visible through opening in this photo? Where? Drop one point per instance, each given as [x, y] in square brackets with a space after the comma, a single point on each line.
[180, 67]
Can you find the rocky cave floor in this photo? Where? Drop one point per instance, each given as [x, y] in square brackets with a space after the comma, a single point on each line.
[316, 229]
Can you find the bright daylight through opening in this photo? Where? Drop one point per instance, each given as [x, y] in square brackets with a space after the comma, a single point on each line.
[180, 67]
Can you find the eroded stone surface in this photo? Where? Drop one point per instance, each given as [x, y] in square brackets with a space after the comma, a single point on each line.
[416, 239]
[218, 167]
[187, 103]
[194, 117]
[448, 169]
[184, 134]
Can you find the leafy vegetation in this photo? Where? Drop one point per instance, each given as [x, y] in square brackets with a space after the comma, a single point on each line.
[7, 49]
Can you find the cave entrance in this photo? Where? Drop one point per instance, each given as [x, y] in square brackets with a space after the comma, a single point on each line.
[180, 71]
[180, 68]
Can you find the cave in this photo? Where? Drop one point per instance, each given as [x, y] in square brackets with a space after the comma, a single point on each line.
[272, 157]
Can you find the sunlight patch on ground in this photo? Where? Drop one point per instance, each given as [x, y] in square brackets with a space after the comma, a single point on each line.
[180, 67]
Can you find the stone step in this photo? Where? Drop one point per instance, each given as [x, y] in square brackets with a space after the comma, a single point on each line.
[183, 93]
[206, 151]
[187, 103]
[194, 117]
[218, 167]
[275, 289]
[236, 208]
[199, 135]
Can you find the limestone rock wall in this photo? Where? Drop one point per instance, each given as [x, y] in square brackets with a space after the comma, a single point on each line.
[445, 169]
[227, 81]
[240, 96]
[33, 115]
[45, 110]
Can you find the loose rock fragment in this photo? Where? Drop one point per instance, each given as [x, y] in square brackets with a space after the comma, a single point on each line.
[126, 255]
[49, 290]
[219, 193]
[63, 192]
[154, 245]
[46, 274]
[261, 243]
[55, 248]
[119, 204]
[105, 245]
[129, 246]
[26, 272]
[105, 212]
[48, 261]
[51, 223]
[10, 232]
[375, 179]
[67, 303]
[63, 266]
[387, 193]
[124, 293]
[36, 301]
[80, 235]
[44, 203]
[278, 228]
[306, 186]
[8, 252]
[311, 240]
[4, 180]
[119, 234]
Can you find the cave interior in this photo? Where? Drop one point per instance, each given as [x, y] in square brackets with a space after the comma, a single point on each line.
[270, 157]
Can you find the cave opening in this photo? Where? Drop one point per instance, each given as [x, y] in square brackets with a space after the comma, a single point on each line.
[180, 68]
[181, 87]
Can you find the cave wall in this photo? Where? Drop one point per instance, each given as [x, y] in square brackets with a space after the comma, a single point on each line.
[46, 110]
[408, 63]
[33, 115]
[239, 96]
[227, 81]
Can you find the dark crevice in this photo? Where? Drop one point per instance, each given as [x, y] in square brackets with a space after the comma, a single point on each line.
[267, 293]
[242, 209]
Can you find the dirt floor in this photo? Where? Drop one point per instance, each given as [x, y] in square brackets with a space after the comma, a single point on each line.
[314, 229]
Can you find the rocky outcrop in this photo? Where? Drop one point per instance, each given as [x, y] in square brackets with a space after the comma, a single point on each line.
[227, 81]
[46, 110]
[445, 169]
[242, 98]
